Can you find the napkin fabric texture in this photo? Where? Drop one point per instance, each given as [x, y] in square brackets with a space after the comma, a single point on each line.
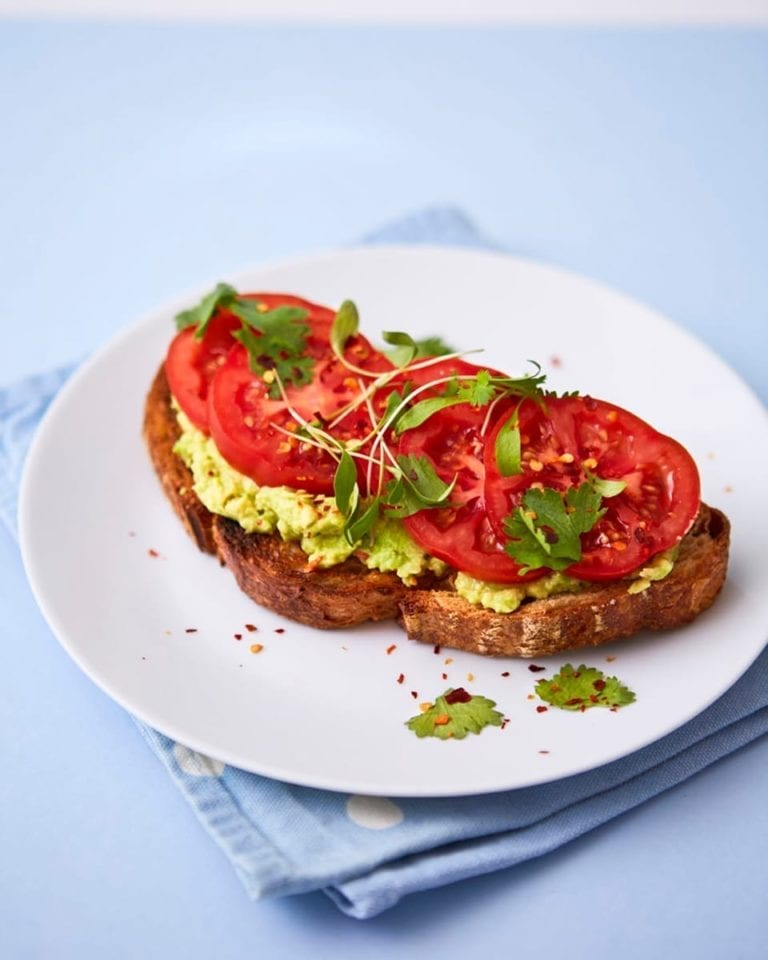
[366, 853]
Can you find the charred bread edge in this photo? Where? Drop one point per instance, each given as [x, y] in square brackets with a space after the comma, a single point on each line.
[275, 574]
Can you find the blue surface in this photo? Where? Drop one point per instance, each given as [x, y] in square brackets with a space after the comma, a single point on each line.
[143, 160]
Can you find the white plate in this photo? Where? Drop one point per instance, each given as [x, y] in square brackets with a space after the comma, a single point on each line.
[325, 708]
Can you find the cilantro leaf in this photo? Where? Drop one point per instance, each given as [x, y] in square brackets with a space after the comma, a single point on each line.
[200, 316]
[479, 390]
[455, 714]
[530, 386]
[275, 340]
[583, 687]
[545, 531]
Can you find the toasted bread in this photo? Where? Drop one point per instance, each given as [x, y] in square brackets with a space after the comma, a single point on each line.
[275, 574]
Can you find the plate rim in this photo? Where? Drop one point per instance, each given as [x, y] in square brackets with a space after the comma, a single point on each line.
[151, 317]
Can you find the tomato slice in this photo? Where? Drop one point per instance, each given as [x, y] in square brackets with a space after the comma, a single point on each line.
[415, 381]
[190, 363]
[256, 433]
[571, 437]
[460, 534]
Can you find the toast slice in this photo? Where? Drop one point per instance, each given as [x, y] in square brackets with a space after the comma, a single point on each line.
[275, 574]
[268, 569]
[595, 616]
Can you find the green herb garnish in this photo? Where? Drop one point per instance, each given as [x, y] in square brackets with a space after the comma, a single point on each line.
[545, 531]
[414, 486]
[455, 714]
[345, 325]
[582, 688]
[200, 316]
[507, 450]
[275, 339]
[478, 391]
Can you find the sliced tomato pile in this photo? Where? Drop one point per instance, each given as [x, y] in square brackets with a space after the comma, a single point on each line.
[459, 534]
[570, 439]
[564, 442]
[214, 385]
[191, 363]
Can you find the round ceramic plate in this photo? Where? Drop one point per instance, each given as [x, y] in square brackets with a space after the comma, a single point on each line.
[164, 630]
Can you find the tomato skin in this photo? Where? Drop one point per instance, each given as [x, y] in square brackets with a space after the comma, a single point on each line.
[253, 431]
[461, 535]
[410, 379]
[191, 363]
[574, 436]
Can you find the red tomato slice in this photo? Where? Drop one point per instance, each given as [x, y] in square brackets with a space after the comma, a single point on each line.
[460, 534]
[575, 435]
[414, 380]
[255, 433]
[191, 363]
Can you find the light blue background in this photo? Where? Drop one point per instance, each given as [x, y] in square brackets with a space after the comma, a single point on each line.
[139, 161]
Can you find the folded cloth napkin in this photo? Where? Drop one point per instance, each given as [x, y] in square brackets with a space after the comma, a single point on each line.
[367, 853]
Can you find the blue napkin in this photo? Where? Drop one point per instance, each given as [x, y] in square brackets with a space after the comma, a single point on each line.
[367, 853]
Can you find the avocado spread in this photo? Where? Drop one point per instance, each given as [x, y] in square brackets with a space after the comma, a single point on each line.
[312, 520]
[315, 522]
[507, 597]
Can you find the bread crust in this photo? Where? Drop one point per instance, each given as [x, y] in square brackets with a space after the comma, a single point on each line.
[276, 574]
[596, 616]
[161, 431]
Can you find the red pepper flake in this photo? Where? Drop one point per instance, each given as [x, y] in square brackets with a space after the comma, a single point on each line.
[541, 709]
[609, 659]
[415, 694]
[279, 629]
[459, 695]
[436, 649]
[152, 552]
[534, 668]
[251, 628]
[238, 636]
[504, 722]
[574, 701]
[599, 684]
[444, 676]
[506, 673]
[391, 648]
[191, 630]
[401, 678]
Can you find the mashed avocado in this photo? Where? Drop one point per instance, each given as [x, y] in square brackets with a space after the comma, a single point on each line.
[312, 520]
[315, 522]
[507, 597]
[659, 567]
